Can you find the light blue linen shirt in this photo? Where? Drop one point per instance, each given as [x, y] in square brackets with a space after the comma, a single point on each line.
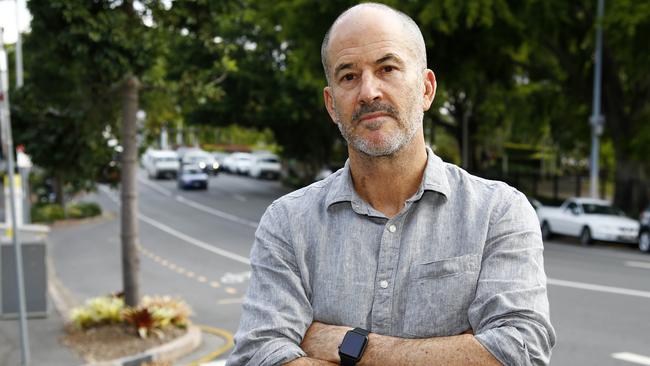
[463, 253]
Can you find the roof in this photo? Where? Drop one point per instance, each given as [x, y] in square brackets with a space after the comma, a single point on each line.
[589, 200]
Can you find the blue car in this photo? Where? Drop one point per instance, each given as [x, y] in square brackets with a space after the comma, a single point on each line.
[191, 176]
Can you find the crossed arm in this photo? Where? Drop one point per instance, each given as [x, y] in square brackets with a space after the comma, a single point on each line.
[321, 345]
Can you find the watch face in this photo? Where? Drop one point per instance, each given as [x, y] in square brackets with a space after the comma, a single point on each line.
[353, 344]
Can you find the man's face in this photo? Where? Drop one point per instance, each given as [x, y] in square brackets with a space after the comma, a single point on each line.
[377, 92]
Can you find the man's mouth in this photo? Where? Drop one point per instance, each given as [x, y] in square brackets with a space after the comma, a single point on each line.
[372, 116]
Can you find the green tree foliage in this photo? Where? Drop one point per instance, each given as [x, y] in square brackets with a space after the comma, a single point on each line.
[75, 54]
[561, 41]
[518, 71]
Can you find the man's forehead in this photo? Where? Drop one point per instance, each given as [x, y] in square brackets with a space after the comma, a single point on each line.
[362, 30]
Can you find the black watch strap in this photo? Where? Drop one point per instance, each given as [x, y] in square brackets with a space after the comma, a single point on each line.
[347, 361]
[361, 331]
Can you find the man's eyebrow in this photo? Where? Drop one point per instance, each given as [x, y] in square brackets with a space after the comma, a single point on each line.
[389, 57]
[341, 67]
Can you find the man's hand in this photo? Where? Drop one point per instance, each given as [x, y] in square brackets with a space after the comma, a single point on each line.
[322, 341]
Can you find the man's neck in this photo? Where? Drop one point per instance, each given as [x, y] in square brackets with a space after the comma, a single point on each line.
[387, 182]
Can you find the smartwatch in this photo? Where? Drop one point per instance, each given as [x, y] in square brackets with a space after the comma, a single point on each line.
[353, 345]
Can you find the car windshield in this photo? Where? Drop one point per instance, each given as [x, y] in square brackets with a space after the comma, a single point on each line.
[269, 160]
[595, 209]
[191, 171]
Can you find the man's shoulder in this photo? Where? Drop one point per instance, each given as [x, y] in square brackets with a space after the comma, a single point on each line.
[310, 196]
[465, 182]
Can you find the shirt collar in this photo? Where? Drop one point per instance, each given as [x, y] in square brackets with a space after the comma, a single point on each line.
[434, 179]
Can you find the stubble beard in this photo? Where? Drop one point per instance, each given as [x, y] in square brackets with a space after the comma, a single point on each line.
[390, 144]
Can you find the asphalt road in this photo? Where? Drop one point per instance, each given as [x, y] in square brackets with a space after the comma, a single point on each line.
[196, 244]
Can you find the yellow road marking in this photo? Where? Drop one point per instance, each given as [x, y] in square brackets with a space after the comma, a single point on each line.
[219, 351]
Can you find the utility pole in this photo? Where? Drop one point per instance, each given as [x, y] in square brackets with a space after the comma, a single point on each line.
[597, 120]
[8, 145]
[19, 51]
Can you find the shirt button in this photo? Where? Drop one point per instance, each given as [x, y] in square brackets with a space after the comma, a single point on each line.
[383, 284]
[392, 228]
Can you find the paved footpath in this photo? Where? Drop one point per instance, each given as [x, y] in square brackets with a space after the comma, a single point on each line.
[83, 260]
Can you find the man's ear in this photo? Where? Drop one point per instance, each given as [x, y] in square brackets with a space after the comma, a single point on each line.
[329, 102]
[429, 89]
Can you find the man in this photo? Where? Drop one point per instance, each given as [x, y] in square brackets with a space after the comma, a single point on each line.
[432, 265]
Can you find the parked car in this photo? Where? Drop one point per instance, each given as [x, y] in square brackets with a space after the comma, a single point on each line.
[534, 202]
[241, 162]
[267, 165]
[588, 219]
[204, 160]
[220, 157]
[191, 176]
[644, 231]
[160, 163]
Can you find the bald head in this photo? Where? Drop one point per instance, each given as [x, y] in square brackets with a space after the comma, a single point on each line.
[410, 30]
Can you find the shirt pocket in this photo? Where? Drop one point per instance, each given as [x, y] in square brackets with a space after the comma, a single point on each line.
[438, 296]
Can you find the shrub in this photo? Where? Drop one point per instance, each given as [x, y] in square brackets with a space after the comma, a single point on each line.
[98, 311]
[81, 210]
[152, 315]
[48, 212]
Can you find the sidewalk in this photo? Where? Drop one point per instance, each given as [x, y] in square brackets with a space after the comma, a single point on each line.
[84, 261]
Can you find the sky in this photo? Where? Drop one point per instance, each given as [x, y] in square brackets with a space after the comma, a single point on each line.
[8, 19]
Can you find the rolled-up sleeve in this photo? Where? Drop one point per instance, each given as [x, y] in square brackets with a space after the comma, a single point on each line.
[510, 313]
[276, 311]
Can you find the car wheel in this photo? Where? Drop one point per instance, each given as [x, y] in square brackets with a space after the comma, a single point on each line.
[644, 242]
[585, 237]
[546, 231]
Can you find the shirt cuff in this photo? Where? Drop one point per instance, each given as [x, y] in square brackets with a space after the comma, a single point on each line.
[505, 344]
[277, 352]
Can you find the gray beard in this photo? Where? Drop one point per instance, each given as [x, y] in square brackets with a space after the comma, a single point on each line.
[389, 146]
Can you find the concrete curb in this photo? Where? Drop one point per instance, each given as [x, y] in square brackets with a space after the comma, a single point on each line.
[167, 352]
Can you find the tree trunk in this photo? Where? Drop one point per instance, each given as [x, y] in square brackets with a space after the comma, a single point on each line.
[632, 190]
[129, 224]
[58, 187]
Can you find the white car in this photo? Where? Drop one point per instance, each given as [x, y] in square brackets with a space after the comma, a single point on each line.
[160, 163]
[204, 160]
[191, 176]
[588, 219]
[265, 166]
[241, 162]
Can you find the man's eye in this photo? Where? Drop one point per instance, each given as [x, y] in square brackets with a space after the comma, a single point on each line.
[388, 69]
[348, 77]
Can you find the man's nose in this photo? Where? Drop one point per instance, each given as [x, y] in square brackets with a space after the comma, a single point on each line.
[370, 89]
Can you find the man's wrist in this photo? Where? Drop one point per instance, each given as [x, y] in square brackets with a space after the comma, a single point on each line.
[353, 346]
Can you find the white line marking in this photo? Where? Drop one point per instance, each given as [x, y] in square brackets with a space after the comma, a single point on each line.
[215, 363]
[239, 197]
[182, 236]
[599, 288]
[632, 357]
[232, 278]
[645, 265]
[224, 215]
[194, 241]
[215, 212]
[156, 187]
[237, 300]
